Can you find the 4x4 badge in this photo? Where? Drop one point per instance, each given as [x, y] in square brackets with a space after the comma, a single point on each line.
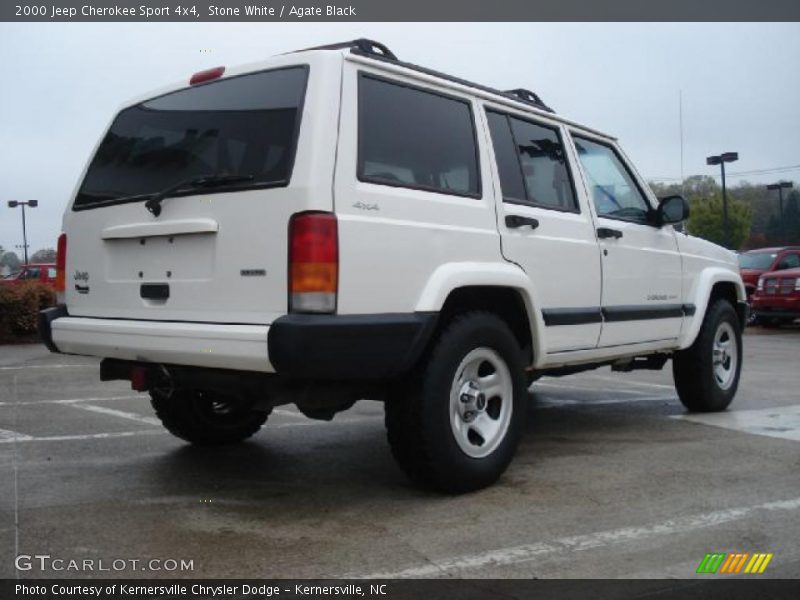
[363, 206]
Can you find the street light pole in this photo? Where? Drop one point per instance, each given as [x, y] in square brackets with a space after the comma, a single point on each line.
[780, 186]
[24, 236]
[22, 205]
[720, 160]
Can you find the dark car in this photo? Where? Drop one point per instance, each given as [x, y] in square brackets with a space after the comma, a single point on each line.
[43, 273]
[776, 300]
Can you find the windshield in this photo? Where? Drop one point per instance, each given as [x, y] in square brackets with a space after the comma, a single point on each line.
[242, 125]
[756, 260]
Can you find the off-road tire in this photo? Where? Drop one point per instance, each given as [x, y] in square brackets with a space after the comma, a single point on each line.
[693, 369]
[418, 413]
[196, 417]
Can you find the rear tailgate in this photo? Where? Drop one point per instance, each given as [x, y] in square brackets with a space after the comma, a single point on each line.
[214, 254]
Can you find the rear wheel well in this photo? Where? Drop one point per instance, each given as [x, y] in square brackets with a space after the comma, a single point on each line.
[504, 302]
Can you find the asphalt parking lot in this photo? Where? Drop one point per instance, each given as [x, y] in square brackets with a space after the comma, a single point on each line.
[613, 479]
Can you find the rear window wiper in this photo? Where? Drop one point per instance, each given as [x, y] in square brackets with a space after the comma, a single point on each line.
[154, 203]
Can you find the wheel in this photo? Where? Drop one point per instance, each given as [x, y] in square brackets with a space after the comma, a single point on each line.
[707, 373]
[206, 418]
[455, 426]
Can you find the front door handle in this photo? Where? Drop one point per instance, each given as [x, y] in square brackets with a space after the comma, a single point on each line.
[607, 232]
[515, 221]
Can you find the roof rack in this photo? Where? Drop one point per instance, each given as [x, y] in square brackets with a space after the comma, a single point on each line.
[528, 97]
[376, 50]
[362, 46]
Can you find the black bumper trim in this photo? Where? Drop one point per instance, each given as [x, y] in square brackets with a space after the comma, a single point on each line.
[348, 347]
[46, 318]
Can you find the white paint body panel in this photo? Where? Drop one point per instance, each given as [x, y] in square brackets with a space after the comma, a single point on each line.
[406, 253]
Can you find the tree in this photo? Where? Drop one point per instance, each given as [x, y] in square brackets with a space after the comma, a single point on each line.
[45, 255]
[706, 221]
[10, 261]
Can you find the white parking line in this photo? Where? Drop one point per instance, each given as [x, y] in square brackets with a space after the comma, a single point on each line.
[10, 436]
[122, 414]
[779, 422]
[557, 402]
[518, 554]
[71, 400]
[585, 388]
[80, 437]
[25, 367]
[622, 381]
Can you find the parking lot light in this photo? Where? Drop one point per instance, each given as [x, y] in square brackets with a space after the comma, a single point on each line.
[23, 204]
[780, 186]
[720, 160]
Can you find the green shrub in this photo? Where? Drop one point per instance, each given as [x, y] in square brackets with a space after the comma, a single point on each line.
[20, 306]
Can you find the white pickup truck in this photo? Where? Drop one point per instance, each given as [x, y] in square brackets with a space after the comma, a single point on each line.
[335, 224]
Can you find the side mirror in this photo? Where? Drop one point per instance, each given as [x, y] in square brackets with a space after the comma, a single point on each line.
[672, 209]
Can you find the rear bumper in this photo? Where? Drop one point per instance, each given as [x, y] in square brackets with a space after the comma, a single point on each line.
[46, 318]
[319, 347]
[239, 347]
[348, 347]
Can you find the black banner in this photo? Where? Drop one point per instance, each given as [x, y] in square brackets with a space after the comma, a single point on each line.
[429, 589]
[400, 10]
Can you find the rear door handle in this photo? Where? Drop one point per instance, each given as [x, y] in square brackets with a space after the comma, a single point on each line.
[607, 232]
[515, 221]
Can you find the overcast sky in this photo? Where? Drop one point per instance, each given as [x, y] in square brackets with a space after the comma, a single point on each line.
[61, 83]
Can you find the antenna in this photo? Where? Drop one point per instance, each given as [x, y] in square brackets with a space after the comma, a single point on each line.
[680, 128]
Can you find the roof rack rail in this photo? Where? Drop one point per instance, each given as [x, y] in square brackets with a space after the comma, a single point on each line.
[376, 50]
[528, 97]
[362, 46]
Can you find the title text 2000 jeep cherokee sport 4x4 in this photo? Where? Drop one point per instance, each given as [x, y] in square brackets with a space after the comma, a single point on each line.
[335, 224]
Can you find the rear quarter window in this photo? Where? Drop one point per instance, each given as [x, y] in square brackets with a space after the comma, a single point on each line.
[416, 138]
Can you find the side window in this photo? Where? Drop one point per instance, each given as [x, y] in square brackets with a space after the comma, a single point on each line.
[51, 272]
[32, 273]
[508, 167]
[613, 189]
[790, 261]
[414, 138]
[531, 162]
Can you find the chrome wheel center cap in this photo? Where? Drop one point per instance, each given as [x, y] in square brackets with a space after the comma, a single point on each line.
[473, 401]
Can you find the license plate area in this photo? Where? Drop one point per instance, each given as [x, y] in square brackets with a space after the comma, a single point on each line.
[158, 258]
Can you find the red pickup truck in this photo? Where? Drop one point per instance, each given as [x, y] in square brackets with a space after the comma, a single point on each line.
[754, 263]
[776, 300]
[43, 273]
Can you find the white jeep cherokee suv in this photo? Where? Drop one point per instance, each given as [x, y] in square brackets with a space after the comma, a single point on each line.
[336, 224]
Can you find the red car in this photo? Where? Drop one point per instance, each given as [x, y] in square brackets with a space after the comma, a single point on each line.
[754, 263]
[776, 300]
[43, 273]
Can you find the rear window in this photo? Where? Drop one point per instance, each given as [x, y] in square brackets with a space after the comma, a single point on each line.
[245, 125]
[414, 138]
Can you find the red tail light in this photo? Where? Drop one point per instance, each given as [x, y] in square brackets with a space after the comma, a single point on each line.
[207, 75]
[61, 263]
[313, 262]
